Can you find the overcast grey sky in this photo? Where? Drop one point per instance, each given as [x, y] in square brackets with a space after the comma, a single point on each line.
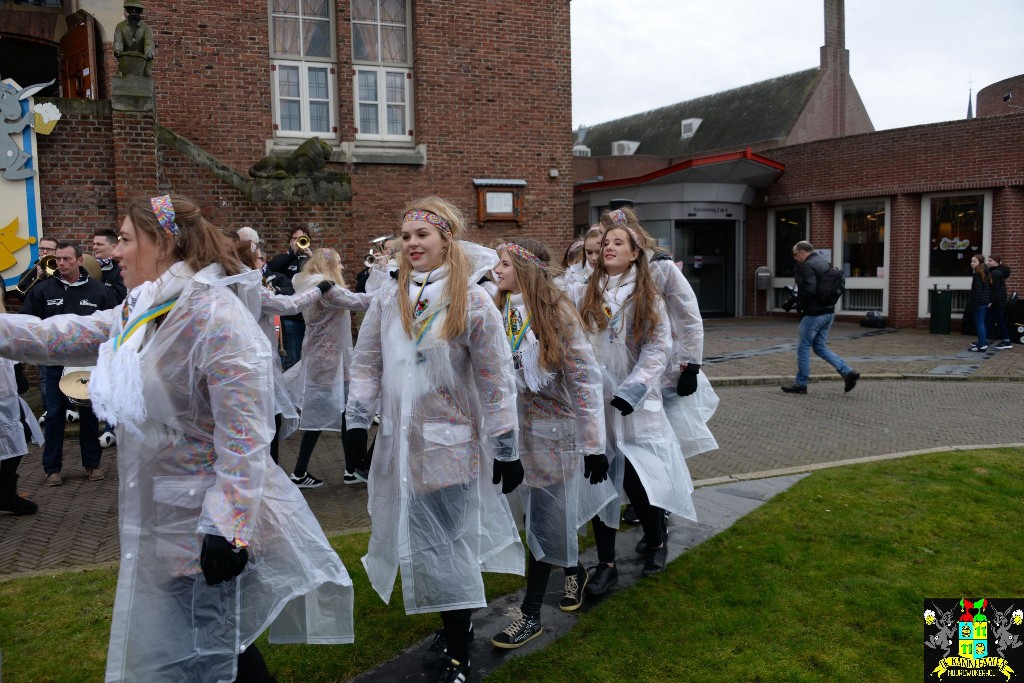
[910, 59]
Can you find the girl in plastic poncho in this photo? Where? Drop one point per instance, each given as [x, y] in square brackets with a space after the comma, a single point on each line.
[690, 401]
[575, 278]
[286, 415]
[561, 427]
[318, 380]
[16, 424]
[216, 543]
[631, 334]
[433, 348]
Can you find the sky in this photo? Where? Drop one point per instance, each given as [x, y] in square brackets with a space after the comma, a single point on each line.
[911, 60]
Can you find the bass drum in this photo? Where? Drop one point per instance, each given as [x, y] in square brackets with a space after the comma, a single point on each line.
[74, 383]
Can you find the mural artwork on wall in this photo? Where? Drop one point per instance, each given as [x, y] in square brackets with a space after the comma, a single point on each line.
[20, 226]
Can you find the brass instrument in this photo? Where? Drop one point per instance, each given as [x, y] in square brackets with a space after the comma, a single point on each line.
[302, 242]
[92, 266]
[49, 265]
[377, 253]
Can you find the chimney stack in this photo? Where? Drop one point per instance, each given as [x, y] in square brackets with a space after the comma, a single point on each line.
[835, 63]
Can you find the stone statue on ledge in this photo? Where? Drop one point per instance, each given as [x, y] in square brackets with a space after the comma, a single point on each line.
[308, 161]
[133, 42]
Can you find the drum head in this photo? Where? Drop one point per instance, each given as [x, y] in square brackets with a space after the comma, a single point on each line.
[75, 384]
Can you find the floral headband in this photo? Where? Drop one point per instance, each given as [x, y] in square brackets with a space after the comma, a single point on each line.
[163, 209]
[523, 253]
[619, 220]
[427, 217]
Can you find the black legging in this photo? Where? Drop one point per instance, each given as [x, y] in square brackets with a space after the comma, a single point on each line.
[275, 442]
[309, 439]
[652, 519]
[251, 667]
[456, 633]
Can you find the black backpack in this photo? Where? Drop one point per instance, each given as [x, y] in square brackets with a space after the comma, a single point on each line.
[830, 287]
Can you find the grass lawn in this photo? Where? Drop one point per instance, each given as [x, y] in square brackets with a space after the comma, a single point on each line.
[824, 583]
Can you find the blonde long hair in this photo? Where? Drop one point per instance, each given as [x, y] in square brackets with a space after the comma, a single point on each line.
[551, 313]
[645, 294]
[456, 287]
[325, 262]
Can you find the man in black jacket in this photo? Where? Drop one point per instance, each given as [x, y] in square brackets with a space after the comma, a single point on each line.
[103, 243]
[816, 319]
[293, 326]
[70, 290]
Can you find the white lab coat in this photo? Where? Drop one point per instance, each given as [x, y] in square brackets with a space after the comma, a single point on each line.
[200, 465]
[561, 419]
[317, 382]
[12, 428]
[688, 415]
[436, 516]
[632, 370]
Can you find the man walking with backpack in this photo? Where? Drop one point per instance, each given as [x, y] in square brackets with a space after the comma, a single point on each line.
[818, 290]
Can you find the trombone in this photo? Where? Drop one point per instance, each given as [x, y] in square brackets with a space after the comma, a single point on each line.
[49, 265]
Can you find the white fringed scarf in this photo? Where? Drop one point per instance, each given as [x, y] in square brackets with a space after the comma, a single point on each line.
[532, 375]
[115, 387]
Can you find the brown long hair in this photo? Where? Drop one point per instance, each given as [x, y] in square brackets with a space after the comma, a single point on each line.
[982, 269]
[647, 241]
[198, 242]
[645, 294]
[456, 288]
[552, 315]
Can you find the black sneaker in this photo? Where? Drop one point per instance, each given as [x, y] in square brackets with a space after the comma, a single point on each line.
[1005, 344]
[629, 515]
[454, 671]
[436, 653]
[523, 629]
[655, 561]
[795, 389]
[643, 547]
[575, 584]
[604, 578]
[349, 478]
[974, 348]
[850, 381]
[306, 481]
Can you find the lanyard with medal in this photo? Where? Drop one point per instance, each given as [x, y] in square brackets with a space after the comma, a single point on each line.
[421, 332]
[515, 337]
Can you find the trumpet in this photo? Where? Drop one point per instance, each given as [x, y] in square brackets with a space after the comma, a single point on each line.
[377, 253]
[302, 242]
[49, 265]
[371, 259]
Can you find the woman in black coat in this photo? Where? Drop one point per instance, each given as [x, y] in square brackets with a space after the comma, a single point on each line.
[997, 309]
[981, 297]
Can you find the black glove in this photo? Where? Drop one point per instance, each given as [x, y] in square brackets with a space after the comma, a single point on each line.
[687, 383]
[595, 467]
[220, 561]
[621, 405]
[508, 473]
[325, 285]
[355, 449]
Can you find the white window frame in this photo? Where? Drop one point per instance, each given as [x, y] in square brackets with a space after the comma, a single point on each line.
[956, 283]
[863, 282]
[305, 63]
[382, 69]
[780, 282]
[332, 89]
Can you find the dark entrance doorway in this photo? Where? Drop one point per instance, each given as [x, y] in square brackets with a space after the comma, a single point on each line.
[708, 252]
[30, 63]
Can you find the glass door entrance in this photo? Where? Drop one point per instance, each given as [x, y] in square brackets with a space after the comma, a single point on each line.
[707, 250]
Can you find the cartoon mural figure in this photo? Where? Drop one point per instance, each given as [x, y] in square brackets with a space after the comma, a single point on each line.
[10, 243]
[1004, 639]
[943, 638]
[969, 605]
[12, 122]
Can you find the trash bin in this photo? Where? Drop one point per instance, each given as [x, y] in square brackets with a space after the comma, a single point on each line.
[941, 305]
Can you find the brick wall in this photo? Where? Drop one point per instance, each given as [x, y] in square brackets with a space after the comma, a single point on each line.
[990, 98]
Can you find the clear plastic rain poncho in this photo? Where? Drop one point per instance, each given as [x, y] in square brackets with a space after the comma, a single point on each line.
[632, 370]
[447, 408]
[272, 304]
[561, 419]
[317, 382]
[12, 428]
[198, 464]
[688, 415]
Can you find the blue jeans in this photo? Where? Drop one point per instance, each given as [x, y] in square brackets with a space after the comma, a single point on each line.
[814, 334]
[293, 331]
[53, 430]
[980, 314]
[998, 315]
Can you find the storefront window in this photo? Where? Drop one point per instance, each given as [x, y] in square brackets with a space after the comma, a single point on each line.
[790, 227]
[955, 234]
[864, 227]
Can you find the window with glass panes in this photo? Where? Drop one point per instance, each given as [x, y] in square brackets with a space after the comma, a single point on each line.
[790, 227]
[382, 62]
[301, 44]
[957, 226]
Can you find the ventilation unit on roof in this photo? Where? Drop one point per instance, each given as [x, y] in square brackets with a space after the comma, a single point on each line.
[689, 127]
[623, 148]
[580, 151]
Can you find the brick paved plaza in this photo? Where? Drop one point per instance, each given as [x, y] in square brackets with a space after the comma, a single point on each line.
[917, 391]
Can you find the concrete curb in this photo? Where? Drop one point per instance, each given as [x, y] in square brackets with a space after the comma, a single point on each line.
[783, 379]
